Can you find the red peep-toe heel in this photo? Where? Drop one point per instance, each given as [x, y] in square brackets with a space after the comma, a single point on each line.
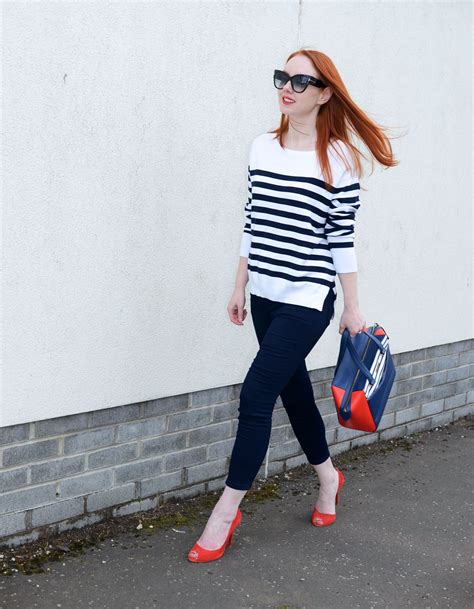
[200, 554]
[323, 520]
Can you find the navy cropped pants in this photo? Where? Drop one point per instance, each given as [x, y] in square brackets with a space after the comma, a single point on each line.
[286, 334]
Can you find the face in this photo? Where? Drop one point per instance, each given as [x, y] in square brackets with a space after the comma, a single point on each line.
[309, 100]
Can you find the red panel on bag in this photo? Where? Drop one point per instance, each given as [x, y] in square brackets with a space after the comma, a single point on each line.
[361, 416]
[337, 394]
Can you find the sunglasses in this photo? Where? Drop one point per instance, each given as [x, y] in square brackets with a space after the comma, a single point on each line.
[299, 82]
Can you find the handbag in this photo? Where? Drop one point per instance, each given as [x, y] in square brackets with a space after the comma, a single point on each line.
[363, 378]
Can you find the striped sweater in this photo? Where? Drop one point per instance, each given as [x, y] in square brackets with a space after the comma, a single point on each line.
[297, 235]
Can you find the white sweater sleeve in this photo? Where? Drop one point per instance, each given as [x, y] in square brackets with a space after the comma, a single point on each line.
[340, 222]
[247, 233]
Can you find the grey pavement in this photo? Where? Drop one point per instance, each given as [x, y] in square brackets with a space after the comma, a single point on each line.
[402, 538]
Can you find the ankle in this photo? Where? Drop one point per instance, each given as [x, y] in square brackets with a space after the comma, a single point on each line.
[328, 479]
[225, 513]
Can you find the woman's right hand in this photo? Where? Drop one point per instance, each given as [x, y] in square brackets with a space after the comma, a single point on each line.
[235, 308]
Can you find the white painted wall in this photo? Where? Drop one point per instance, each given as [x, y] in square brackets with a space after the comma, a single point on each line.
[126, 129]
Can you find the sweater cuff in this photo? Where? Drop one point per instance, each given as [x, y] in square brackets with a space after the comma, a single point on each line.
[245, 244]
[344, 259]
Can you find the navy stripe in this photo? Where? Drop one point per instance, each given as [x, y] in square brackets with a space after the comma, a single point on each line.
[292, 189]
[284, 239]
[294, 253]
[292, 265]
[290, 178]
[283, 225]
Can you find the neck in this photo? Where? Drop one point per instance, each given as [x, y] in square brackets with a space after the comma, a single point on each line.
[301, 134]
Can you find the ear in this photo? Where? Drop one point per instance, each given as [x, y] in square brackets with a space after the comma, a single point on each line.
[326, 95]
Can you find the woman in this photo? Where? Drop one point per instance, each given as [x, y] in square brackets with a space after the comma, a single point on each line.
[298, 234]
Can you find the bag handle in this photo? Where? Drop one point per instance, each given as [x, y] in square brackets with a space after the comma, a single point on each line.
[346, 342]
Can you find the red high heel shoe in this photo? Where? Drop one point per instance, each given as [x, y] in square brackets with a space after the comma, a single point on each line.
[323, 520]
[199, 554]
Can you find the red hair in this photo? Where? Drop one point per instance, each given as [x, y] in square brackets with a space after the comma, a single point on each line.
[339, 116]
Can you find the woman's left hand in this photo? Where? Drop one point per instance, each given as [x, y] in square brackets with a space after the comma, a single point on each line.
[353, 320]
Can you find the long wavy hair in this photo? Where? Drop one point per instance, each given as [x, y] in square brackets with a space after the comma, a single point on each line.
[339, 117]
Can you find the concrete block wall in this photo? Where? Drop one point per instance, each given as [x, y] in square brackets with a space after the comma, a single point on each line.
[71, 471]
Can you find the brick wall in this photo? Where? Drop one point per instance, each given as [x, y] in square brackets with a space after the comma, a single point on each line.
[72, 471]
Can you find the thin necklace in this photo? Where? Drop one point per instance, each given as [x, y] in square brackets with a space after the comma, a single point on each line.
[302, 132]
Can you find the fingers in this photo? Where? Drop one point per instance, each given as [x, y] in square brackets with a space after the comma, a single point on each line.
[353, 333]
[237, 315]
[233, 315]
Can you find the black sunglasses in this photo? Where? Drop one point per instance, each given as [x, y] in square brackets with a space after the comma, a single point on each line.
[299, 82]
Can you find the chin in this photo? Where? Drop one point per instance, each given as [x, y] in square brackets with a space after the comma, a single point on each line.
[285, 109]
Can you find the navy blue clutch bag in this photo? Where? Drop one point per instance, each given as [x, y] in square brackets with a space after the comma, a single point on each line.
[363, 378]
